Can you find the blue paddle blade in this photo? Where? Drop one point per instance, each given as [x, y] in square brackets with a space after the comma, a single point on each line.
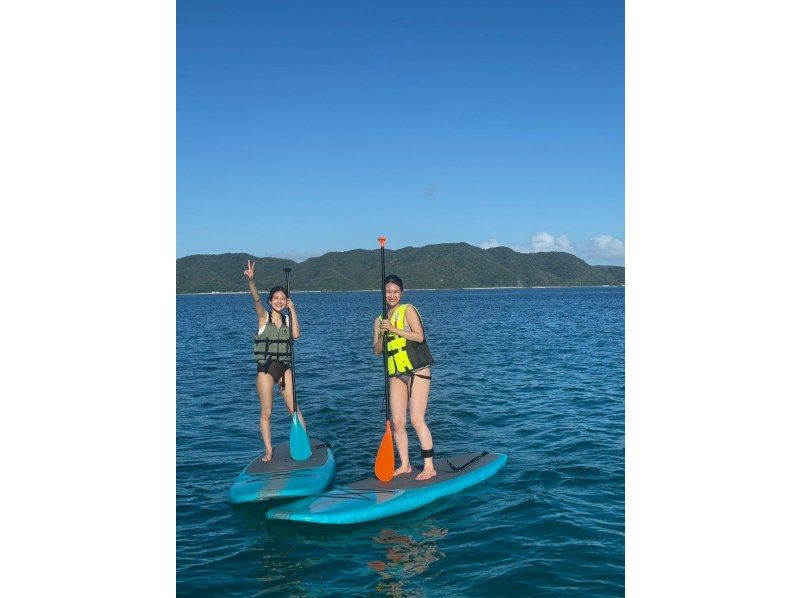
[299, 446]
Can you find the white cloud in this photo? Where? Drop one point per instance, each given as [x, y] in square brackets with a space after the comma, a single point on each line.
[544, 241]
[605, 247]
[493, 243]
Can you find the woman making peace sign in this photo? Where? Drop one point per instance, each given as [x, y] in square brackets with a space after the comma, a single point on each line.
[271, 350]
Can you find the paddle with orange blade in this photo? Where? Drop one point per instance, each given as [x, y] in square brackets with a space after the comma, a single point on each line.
[384, 460]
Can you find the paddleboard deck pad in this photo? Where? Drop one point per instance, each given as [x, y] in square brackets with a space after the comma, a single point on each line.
[283, 477]
[371, 499]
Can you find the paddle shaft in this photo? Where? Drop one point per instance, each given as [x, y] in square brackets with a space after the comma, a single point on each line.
[383, 334]
[291, 345]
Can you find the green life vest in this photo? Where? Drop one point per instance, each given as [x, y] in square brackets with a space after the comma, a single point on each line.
[402, 355]
[273, 343]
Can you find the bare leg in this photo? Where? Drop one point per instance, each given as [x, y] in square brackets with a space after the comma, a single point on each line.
[265, 385]
[398, 401]
[286, 393]
[419, 403]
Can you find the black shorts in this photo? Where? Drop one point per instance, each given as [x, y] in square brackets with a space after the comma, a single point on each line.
[276, 369]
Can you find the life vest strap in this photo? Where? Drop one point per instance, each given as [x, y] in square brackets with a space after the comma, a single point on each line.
[411, 381]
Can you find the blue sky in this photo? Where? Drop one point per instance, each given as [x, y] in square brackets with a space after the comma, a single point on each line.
[306, 127]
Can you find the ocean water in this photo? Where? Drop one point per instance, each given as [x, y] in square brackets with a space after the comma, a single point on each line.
[534, 373]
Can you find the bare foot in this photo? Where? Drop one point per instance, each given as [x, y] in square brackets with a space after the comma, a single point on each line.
[267, 456]
[426, 474]
[401, 470]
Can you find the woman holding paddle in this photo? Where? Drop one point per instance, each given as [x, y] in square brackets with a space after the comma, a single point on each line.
[273, 352]
[408, 362]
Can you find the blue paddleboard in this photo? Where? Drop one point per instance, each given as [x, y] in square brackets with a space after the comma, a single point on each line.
[370, 499]
[283, 477]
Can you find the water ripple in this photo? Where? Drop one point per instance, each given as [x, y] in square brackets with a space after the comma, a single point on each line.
[535, 373]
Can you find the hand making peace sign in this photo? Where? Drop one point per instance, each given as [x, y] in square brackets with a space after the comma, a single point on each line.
[249, 272]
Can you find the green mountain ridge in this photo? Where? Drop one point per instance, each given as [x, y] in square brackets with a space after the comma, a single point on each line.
[441, 266]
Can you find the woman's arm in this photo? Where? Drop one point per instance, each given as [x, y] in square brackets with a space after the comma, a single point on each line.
[295, 321]
[377, 337]
[249, 273]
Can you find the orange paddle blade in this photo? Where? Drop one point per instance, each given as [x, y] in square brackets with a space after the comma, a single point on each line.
[382, 241]
[384, 461]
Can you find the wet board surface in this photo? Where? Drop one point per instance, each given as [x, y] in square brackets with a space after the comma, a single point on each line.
[370, 499]
[283, 477]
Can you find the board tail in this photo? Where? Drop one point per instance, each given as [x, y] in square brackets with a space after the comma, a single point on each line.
[299, 445]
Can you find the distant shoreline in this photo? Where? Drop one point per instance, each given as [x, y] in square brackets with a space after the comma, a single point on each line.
[596, 286]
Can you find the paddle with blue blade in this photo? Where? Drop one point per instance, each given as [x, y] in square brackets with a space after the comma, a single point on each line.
[299, 445]
[384, 460]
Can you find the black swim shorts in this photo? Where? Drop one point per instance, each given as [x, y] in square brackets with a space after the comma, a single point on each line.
[275, 369]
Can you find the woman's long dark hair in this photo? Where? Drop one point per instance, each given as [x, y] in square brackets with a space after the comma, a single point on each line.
[393, 278]
[274, 290]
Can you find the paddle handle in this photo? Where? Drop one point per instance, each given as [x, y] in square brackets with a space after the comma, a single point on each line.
[382, 241]
[291, 345]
